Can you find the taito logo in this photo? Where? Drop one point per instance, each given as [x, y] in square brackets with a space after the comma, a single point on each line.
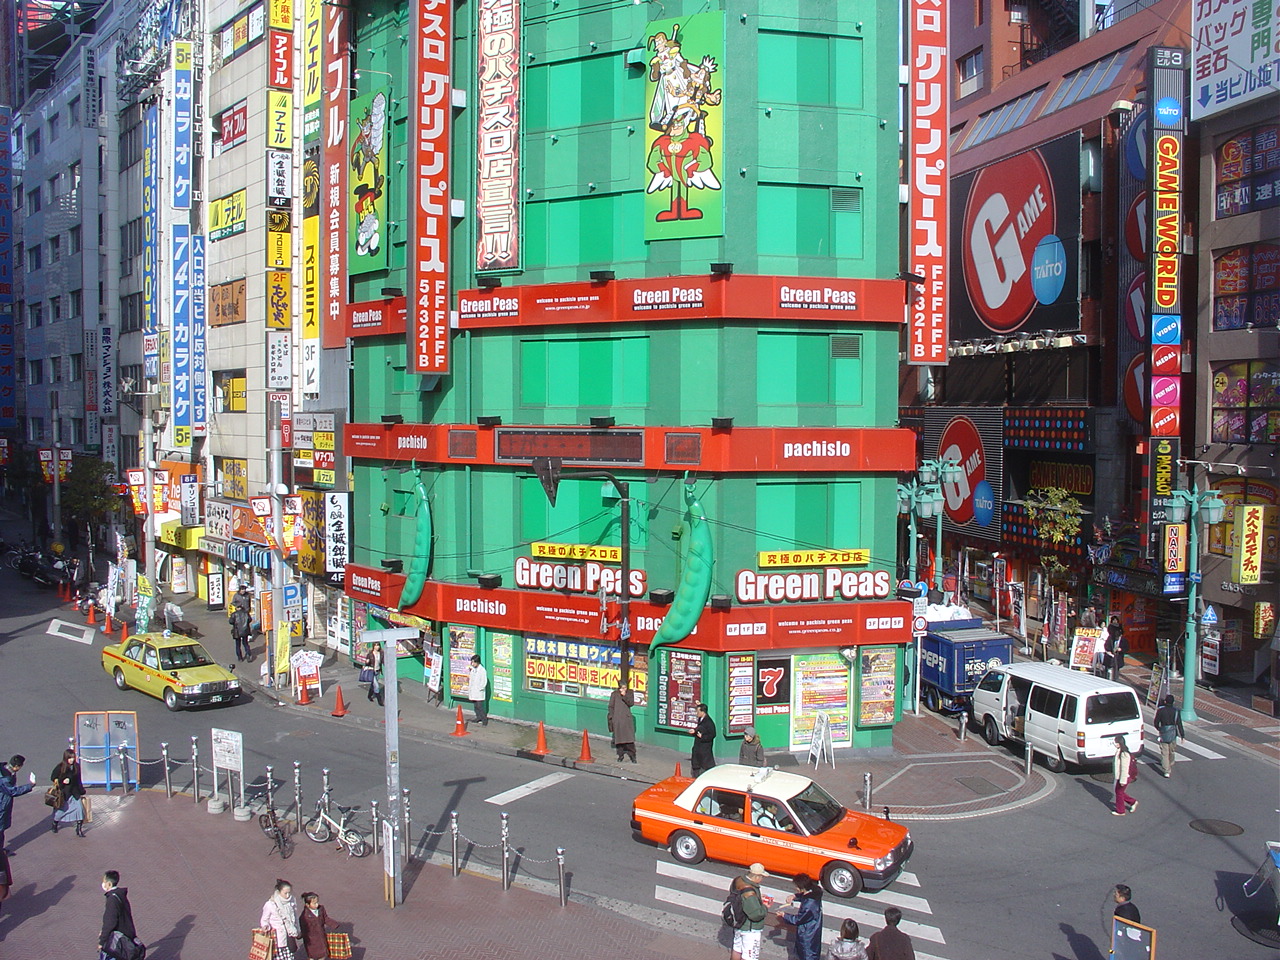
[1012, 258]
[969, 497]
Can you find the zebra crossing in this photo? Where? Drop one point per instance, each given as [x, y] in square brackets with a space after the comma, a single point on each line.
[702, 889]
[1151, 747]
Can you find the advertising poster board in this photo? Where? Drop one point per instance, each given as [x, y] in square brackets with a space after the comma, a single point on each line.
[1085, 646]
[679, 688]
[820, 683]
[773, 686]
[877, 685]
[741, 700]
[462, 647]
[502, 646]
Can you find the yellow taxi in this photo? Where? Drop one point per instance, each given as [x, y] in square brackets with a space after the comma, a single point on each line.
[172, 667]
[746, 815]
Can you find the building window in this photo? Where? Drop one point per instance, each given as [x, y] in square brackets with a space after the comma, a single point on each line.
[76, 239]
[33, 144]
[1246, 287]
[1089, 81]
[35, 201]
[35, 372]
[77, 431]
[35, 315]
[970, 74]
[76, 373]
[55, 369]
[73, 110]
[55, 124]
[229, 392]
[1246, 173]
[73, 177]
[1003, 118]
[1246, 402]
[35, 429]
[35, 259]
[1017, 11]
[55, 308]
[77, 303]
[131, 313]
[55, 249]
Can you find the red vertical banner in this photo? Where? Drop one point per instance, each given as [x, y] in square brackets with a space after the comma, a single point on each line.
[928, 137]
[430, 59]
[335, 108]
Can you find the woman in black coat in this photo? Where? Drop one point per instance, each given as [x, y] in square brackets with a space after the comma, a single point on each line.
[66, 777]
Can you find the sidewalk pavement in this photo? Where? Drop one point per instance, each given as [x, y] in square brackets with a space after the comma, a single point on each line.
[197, 884]
[930, 774]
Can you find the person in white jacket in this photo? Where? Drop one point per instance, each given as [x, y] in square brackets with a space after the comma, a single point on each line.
[477, 688]
[280, 915]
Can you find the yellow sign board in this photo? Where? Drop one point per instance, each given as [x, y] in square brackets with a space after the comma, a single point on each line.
[279, 119]
[577, 551]
[279, 249]
[813, 558]
[1248, 560]
[235, 479]
[228, 215]
[279, 299]
[311, 278]
[282, 14]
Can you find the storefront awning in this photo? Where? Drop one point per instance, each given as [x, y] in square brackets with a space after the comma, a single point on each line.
[175, 534]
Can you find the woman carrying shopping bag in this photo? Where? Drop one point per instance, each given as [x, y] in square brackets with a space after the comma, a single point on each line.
[280, 916]
[66, 778]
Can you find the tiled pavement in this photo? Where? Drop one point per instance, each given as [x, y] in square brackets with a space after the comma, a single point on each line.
[197, 883]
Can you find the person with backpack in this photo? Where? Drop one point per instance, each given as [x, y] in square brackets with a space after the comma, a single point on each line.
[745, 912]
[1169, 730]
[119, 939]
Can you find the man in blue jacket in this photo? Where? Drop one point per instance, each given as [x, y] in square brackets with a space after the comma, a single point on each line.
[9, 788]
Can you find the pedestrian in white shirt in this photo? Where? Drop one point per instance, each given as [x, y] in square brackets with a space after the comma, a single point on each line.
[477, 688]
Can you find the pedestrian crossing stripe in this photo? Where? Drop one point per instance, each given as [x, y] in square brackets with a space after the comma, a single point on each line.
[1154, 745]
[885, 898]
[830, 910]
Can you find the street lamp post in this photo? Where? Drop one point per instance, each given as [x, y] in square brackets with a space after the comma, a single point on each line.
[1190, 506]
[930, 472]
[919, 497]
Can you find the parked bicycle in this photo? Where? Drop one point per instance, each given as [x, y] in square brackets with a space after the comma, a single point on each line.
[323, 827]
[278, 831]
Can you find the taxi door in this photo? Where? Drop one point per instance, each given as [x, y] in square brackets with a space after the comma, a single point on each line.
[772, 838]
[718, 821]
[152, 680]
[132, 665]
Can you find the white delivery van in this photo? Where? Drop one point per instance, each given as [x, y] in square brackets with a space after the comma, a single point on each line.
[1067, 716]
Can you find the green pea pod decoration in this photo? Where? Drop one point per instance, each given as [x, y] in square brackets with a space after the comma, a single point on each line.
[694, 587]
[417, 576]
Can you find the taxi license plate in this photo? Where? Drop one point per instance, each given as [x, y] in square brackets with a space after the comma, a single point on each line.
[215, 699]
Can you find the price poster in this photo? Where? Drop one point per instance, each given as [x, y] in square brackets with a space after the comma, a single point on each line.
[502, 645]
[679, 688]
[462, 646]
[742, 682]
[820, 684]
[877, 685]
[1084, 647]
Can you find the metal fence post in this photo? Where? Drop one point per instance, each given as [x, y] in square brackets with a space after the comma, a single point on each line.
[377, 826]
[963, 732]
[168, 783]
[506, 851]
[195, 768]
[866, 790]
[271, 802]
[453, 838]
[408, 827]
[564, 893]
[123, 755]
[1028, 758]
[297, 792]
[324, 772]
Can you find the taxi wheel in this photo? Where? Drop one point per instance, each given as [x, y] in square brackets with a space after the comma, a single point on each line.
[171, 699]
[687, 848]
[121, 682]
[841, 880]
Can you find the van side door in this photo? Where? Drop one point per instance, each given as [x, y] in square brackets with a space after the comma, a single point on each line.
[1042, 719]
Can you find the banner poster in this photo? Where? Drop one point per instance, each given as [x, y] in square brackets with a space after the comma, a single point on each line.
[366, 183]
[181, 320]
[199, 343]
[150, 214]
[820, 684]
[183, 90]
[462, 646]
[877, 684]
[498, 136]
[684, 134]
[216, 591]
[1085, 647]
[742, 681]
[679, 688]
[502, 646]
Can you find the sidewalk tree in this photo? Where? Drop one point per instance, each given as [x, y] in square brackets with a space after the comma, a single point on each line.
[1055, 515]
[87, 494]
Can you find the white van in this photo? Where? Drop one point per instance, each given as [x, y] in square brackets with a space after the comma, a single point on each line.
[1066, 715]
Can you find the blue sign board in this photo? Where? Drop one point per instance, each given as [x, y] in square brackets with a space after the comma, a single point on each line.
[1175, 582]
[199, 359]
[181, 265]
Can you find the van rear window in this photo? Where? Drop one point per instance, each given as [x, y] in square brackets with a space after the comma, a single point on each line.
[1110, 708]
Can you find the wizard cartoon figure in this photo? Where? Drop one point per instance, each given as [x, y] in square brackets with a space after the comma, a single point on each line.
[366, 151]
[681, 157]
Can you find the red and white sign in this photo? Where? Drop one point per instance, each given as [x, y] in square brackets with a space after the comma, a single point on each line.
[1135, 227]
[498, 136]
[1166, 359]
[962, 443]
[1175, 548]
[233, 127]
[261, 506]
[1011, 208]
[280, 59]
[1135, 388]
[1166, 421]
[928, 138]
[430, 107]
[373, 586]
[335, 110]
[376, 317]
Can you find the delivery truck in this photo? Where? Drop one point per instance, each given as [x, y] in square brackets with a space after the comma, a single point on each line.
[954, 655]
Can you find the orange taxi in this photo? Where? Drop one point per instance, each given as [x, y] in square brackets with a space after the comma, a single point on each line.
[743, 815]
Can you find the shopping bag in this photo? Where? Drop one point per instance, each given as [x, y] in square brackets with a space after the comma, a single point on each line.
[88, 808]
[339, 946]
[263, 945]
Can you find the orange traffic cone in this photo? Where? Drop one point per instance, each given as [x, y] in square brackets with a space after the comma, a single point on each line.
[678, 773]
[585, 756]
[123, 632]
[340, 708]
[62, 591]
[108, 626]
[304, 695]
[460, 725]
[93, 614]
[541, 749]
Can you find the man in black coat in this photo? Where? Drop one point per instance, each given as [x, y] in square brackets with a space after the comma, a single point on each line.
[117, 915]
[1169, 731]
[1125, 907]
[241, 618]
[704, 735]
[1117, 646]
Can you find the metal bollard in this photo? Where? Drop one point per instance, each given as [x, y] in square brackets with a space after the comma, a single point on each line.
[453, 837]
[195, 768]
[408, 827]
[866, 790]
[886, 813]
[271, 799]
[1028, 758]
[564, 893]
[123, 756]
[377, 826]
[297, 792]
[168, 784]
[506, 852]
[963, 732]
[324, 772]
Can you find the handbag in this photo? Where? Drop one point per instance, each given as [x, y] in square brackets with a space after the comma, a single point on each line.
[339, 945]
[366, 675]
[53, 797]
[263, 945]
[125, 948]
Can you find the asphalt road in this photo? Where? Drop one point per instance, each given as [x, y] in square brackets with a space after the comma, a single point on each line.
[1031, 883]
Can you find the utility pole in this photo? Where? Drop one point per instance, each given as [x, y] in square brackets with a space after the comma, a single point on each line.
[149, 491]
[276, 483]
[57, 467]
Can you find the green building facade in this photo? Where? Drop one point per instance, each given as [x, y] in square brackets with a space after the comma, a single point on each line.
[672, 259]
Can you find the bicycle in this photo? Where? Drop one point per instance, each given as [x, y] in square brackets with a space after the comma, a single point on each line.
[322, 828]
[278, 832]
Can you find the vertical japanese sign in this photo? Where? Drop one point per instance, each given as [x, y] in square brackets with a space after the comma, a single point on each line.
[430, 56]
[280, 59]
[189, 503]
[332, 186]
[685, 126]
[180, 264]
[928, 140]
[279, 300]
[8, 368]
[279, 360]
[199, 356]
[182, 111]
[92, 412]
[1248, 559]
[150, 197]
[279, 119]
[498, 136]
[337, 546]
[1161, 480]
[1236, 53]
[366, 182]
[105, 362]
[312, 71]
[1167, 83]
[312, 74]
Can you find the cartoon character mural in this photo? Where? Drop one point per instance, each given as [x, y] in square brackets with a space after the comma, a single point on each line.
[367, 181]
[684, 122]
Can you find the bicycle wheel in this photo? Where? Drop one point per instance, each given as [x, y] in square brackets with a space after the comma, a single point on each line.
[356, 845]
[264, 821]
[318, 830]
[285, 843]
